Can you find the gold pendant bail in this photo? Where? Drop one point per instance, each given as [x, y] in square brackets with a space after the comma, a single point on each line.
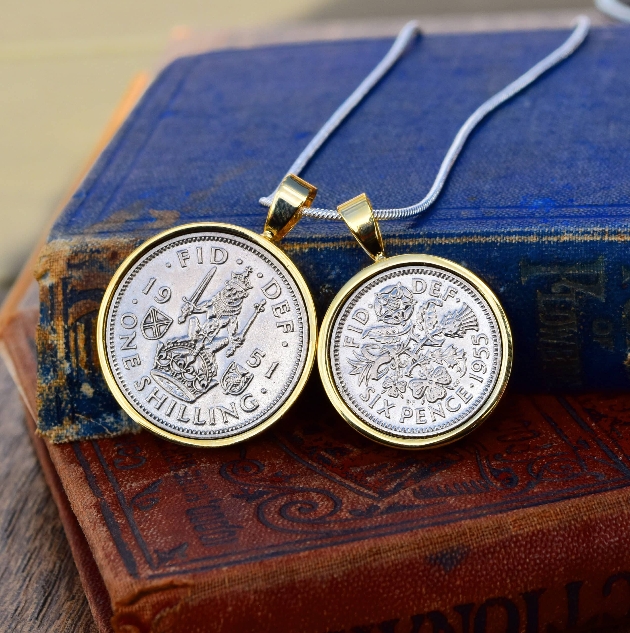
[359, 216]
[292, 197]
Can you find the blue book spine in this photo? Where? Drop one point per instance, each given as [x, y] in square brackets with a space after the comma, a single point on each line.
[538, 204]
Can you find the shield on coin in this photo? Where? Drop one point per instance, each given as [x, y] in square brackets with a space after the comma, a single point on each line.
[235, 379]
[155, 324]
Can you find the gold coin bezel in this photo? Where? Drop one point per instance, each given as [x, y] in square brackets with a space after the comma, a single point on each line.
[325, 368]
[131, 261]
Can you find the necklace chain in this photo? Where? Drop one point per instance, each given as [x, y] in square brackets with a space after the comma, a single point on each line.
[403, 40]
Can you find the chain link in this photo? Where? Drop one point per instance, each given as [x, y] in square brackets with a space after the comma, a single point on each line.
[403, 40]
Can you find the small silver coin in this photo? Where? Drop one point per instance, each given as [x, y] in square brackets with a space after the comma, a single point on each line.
[416, 351]
[207, 335]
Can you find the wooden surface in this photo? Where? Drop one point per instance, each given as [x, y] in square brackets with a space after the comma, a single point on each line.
[39, 584]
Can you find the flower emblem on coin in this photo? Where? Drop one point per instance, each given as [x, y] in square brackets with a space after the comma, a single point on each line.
[394, 305]
[414, 352]
[406, 348]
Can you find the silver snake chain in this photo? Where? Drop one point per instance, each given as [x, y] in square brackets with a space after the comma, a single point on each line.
[406, 35]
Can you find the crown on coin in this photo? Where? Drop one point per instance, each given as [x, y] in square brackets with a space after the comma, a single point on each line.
[229, 300]
[184, 371]
[241, 281]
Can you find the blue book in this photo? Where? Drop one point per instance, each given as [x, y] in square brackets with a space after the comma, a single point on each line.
[538, 204]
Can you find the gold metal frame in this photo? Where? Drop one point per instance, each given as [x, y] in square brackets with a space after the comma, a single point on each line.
[132, 259]
[325, 370]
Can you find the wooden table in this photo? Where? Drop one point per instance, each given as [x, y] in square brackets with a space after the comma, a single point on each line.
[39, 583]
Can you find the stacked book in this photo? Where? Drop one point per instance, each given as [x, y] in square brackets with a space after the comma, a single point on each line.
[521, 526]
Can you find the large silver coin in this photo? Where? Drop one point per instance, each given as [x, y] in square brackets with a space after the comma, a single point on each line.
[417, 351]
[207, 334]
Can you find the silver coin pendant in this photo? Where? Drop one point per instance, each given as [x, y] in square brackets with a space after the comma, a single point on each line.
[207, 334]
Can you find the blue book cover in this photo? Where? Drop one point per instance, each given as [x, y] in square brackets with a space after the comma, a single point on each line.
[537, 205]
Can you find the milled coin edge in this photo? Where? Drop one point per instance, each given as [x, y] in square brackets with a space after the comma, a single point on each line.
[127, 265]
[325, 366]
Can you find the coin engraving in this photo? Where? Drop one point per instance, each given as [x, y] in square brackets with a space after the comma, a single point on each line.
[155, 324]
[226, 346]
[235, 380]
[415, 351]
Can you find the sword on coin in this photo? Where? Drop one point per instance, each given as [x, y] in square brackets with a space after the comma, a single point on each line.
[190, 305]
